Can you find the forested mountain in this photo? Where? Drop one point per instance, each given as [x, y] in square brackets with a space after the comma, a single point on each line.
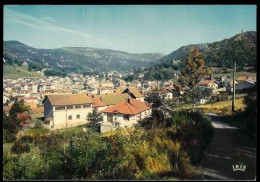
[78, 59]
[241, 47]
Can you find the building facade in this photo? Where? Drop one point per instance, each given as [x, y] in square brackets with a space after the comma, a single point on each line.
[64, 111]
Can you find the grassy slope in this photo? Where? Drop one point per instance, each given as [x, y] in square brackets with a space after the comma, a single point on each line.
[15, 72]
[222, 107]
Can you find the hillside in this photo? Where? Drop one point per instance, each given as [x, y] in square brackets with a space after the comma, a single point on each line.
[79, 59]
[14, 72]
[241, 47]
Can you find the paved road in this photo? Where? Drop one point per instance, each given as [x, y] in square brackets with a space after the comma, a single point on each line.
[229, 146]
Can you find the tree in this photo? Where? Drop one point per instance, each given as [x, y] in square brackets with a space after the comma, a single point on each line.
[94, 117]
[191, 73]
[194, 68]
[12, 123]
[18, 107]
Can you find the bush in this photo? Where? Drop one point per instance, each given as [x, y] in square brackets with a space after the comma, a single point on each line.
[19, 148]
[247, 119]
[8, 137]
[29, 166]
[26, 139]
[38, 125]
[194, 131]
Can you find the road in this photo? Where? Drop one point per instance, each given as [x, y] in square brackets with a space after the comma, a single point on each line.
[229, 146]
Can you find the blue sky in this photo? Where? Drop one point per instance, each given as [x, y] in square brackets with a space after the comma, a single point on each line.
[135, 29]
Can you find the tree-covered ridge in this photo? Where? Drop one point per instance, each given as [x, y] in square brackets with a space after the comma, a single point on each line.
[78, 59]
[241, 47]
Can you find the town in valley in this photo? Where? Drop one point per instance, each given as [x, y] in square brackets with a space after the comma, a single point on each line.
[138, 92]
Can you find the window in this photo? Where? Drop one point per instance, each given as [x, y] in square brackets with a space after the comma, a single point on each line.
[78, 116]
[69, 107]
[86, 105]
[126, 117]
[77, 106]
[60, 108]
[70, 117]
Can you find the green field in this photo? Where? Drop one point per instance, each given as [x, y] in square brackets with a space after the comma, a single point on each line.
[14, 72]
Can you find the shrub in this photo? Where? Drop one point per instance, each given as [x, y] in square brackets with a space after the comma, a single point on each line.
[19, 148]
[8, 137]
[38, 124]
[26, 139]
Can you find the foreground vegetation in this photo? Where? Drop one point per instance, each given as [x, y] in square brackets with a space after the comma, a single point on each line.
[162, 152]
[247, 118]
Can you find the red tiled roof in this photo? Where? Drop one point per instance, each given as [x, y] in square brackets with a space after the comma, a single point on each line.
[98, 102]
[132, 107]
[205, 82]
[244, 78]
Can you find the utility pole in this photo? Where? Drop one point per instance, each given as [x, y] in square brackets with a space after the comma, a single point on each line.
[233, 98]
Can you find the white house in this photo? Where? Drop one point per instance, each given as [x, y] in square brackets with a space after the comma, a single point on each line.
[30, 87]
[63, 111]
[207, 84]
[126, 114]
[45, 86]
[28, 99]
[105, 90]
[5, 99]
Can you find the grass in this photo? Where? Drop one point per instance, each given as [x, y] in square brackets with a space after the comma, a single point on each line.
[222, 107]
[14, 72]
[36, 116]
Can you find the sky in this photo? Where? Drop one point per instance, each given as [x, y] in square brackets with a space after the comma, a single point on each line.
[130, 28]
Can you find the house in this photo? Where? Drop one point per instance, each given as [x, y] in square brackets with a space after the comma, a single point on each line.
[56, 92]
[30, 87]
[207, 84]
[246, 78]
[124, 114]
[63, 111]
[105, 90]
[226, 82]
[113, 98]
[167, 94]
[230, 86]
[136, 83]
[245, 85]
[106, 84]
[24, 93]
[98, 105]
[5, 99]
[28, 99]
[45, 86]
[134, 93]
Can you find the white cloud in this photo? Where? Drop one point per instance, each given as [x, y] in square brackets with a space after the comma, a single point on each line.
[47, 18]
[46, 23]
